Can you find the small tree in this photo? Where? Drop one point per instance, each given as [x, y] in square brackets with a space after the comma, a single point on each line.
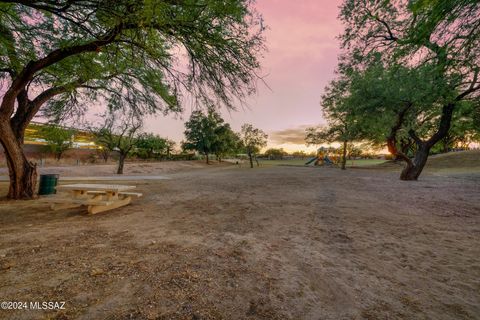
[58, 139]
[105, 146]
[354, 151]
[253, 140]
[170, 145]
[274, 154]
[202, 131]
[226, 141]
[103, 152]
[119, 133]
[299, 154]
[149, 144]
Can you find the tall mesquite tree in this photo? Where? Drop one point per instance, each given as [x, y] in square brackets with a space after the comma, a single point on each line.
[441, 35]
[59, 56]
[393, 104]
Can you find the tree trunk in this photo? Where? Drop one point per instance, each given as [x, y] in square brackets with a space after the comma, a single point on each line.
[344, 155]
[23, 173]
[446, 143]
[251, 160]
[206, 156]
[414, 168]
[121, 163]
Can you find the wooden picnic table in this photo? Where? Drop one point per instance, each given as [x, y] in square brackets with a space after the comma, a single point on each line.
[97, 197]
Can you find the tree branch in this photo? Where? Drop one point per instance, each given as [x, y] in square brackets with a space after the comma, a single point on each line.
[415, 137]
[28, 108]
[392, 138]
[375, 17]
[19, 83]
[444, 126]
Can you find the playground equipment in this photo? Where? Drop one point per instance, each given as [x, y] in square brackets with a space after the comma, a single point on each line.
[321, 159]
[327, 160]
[310, 161]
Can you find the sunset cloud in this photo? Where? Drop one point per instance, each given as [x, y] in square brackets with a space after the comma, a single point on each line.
[292, 135]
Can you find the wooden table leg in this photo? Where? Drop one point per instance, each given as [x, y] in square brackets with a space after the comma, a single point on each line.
[79, 194]
[111, 195]
[116, 204]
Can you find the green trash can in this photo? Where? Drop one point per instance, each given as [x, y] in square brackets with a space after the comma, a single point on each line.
[47, 185]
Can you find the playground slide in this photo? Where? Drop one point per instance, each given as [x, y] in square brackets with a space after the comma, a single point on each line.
[327, 160]
[310, 161]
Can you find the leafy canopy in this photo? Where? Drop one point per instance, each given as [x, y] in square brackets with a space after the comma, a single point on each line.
[148, 144]
[145, 55]
[58, 139]
[444, 34]
[201, 131]
[411, 66]
[341, 126]
[253, 139]
[118, 132]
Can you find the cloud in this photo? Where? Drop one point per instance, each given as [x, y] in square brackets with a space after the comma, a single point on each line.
[292, 135]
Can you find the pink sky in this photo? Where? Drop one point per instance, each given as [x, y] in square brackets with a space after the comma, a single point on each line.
[301, 59]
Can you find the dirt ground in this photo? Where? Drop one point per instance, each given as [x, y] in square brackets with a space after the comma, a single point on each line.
[142, 168]
[270, 243]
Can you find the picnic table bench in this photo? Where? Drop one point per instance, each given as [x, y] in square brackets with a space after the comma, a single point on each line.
[97, 197]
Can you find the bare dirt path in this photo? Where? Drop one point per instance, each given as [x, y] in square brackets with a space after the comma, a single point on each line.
[269, 243]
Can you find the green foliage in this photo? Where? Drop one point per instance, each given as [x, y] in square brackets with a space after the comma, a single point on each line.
[445, 32]
[118, 132]
[410, 67]
[200, 131]
[226, 142]
[429, 48]
[125, 53]
[463, 132]
[275, 154]
[378, 95]
[354, 151]
[252, 139]
[207, 133]
[58, 139]
[341, 126]
[149, 145]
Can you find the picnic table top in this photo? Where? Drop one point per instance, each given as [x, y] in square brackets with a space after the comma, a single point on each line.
[95, 187]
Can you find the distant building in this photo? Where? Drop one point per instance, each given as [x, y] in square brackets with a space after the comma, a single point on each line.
[81, 139]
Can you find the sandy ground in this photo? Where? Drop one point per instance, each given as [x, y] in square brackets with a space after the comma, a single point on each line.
[145, 168]
[269, 243]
